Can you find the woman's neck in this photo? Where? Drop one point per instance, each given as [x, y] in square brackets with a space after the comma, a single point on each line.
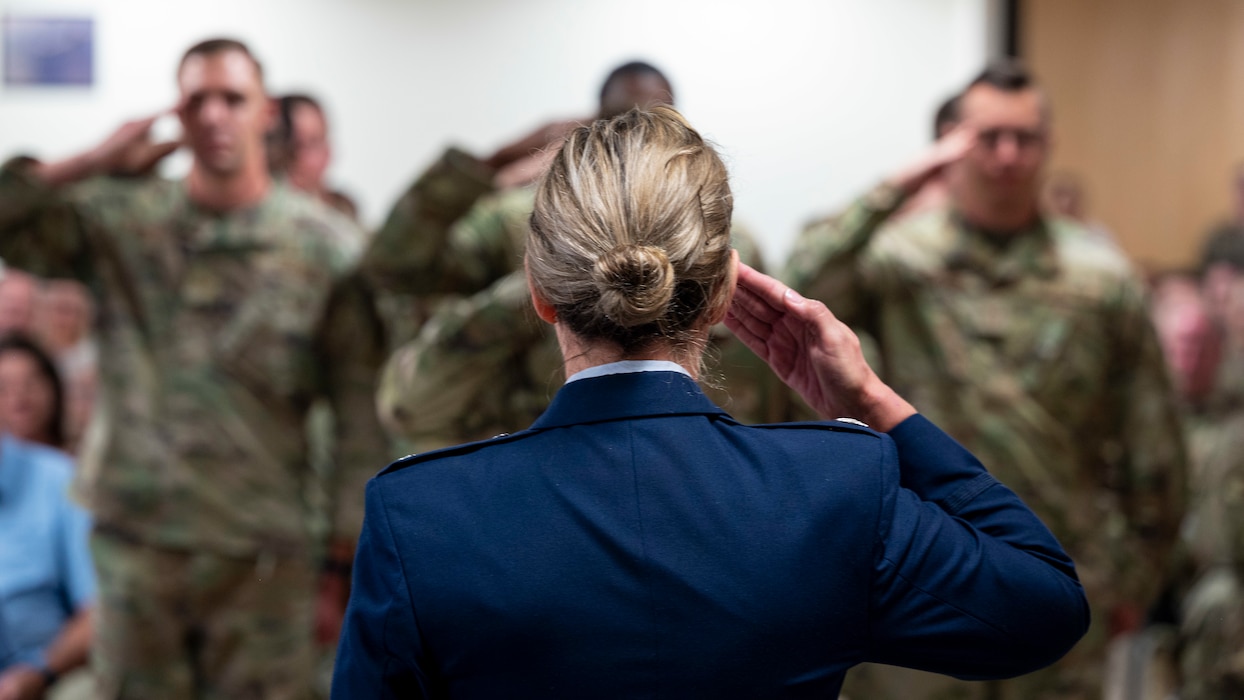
[582, 354]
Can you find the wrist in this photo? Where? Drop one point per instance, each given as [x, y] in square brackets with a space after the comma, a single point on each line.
[884, 408]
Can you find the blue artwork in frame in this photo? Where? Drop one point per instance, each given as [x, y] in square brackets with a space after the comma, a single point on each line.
[48, 51]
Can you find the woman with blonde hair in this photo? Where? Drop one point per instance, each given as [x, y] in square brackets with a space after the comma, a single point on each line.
[636, 541]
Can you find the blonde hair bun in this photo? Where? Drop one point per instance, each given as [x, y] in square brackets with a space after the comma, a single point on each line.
[636, 283]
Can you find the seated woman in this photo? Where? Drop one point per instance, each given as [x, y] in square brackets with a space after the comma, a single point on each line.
[637, 541]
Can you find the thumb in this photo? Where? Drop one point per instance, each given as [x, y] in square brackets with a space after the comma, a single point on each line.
[793, 298]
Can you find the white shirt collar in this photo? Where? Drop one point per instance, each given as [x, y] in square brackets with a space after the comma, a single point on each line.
[627, 366]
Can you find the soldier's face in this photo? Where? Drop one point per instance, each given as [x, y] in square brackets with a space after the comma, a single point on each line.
[310, 152]
[1012, 143]
[224, 111]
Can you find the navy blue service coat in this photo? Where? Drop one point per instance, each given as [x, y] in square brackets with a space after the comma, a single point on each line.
[637, 542]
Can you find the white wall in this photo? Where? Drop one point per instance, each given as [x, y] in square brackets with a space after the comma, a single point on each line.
[810, 100]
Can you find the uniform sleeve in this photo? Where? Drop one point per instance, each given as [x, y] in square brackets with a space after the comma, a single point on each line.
[967, 581]
[42, 230]
[826, 261]
[380, 652]
[481, 366]
[1148, 448]
[352, 349]
[408, 254]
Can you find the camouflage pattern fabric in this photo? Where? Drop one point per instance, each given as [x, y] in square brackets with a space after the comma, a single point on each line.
[247, 620]
[1038, 355]
[1212, 609]
[217, 331]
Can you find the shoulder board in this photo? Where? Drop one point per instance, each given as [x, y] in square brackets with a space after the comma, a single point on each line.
[455, 450]
[849, 425]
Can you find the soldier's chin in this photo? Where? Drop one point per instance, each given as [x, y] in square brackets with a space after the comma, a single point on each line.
[217, 161]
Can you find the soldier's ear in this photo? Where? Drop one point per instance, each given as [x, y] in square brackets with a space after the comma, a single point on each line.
[544, 309]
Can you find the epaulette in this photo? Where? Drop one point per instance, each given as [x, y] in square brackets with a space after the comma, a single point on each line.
[455, 450]
[840, 425]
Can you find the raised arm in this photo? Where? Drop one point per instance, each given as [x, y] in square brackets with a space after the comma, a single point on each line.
[42, 226]
[435, 240]
[967, 580]
[826, 263]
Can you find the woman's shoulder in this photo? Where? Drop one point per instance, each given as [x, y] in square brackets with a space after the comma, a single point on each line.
[459, 454]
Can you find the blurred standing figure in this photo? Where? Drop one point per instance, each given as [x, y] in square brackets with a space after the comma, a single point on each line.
[1208, 363]
[1029, 340]
[1228, 233]
[222, 317]
[1065, 197]
[64, 319]
[300, 150]
[18, 295]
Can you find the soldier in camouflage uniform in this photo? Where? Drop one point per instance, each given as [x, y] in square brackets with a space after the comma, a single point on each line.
[1202, 335]
[1212, 609]
[225, 310]
[1029, 341]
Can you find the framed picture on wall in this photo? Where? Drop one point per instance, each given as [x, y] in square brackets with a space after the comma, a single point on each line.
[48, 51]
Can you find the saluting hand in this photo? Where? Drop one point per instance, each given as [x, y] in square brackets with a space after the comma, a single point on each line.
[812, 351]
[127, 151]
[130, 151]
[951, 148]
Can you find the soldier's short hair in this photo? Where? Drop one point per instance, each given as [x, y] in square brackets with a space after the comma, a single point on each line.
[629, 69]
[1225, 247]
[1006, 74]
[946, 116]
[280, 139]
[219, 45]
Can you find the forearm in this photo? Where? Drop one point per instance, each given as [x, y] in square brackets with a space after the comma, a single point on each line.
[826, 261]
[407, 249]
[72, 646]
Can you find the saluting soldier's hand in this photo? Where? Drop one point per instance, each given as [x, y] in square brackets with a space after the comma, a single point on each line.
[952, 147]
[130, 151]
[812, 351]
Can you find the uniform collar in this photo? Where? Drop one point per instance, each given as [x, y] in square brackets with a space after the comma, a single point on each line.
[628, 395]
[1027, 252]
[625, 366]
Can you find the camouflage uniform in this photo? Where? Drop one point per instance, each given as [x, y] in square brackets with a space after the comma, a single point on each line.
[216, 333]
[425, 252]
[1212, 609]
[1039, 356]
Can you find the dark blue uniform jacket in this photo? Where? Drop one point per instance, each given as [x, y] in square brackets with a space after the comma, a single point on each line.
[637, 542]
